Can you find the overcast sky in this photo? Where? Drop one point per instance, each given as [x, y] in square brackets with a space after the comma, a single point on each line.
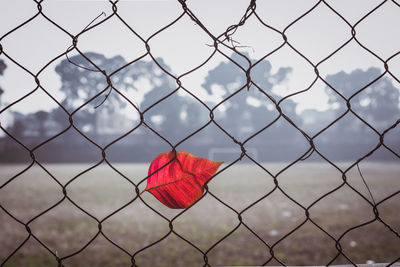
[184, 45]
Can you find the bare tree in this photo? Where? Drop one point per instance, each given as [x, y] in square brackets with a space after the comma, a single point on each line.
[378, 103]
[250, 109]
[81, 81]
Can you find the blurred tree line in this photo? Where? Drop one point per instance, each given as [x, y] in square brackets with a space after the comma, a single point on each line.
[103, 110]
[3, 66]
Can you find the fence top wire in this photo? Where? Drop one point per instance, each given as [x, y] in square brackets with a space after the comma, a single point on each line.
[221, 43]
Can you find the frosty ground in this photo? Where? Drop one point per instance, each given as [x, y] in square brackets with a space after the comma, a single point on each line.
[66, 229]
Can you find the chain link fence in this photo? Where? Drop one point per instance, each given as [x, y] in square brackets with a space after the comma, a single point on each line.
[223, 42]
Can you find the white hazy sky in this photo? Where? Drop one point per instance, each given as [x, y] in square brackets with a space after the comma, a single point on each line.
[184, 45]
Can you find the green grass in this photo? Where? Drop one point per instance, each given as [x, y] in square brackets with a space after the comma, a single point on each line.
[65, 229]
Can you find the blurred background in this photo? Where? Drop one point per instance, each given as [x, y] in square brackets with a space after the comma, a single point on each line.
[364, 70]
[182, 47]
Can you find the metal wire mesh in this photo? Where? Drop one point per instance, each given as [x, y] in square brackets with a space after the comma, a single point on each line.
[224, 40]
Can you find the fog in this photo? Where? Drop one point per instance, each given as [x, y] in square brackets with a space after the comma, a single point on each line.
[94, 116]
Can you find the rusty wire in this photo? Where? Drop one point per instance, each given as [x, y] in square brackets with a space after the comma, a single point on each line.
[226, 40]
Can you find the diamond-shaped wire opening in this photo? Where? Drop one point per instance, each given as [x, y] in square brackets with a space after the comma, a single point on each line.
[149, 226]
[312, 246]
[338, 205]
[309, 180]
[273, 216]
[370, 237]
[79, 146]
[171, 49]
[313, 40]
[64, 229]
[176, 116]
[32, 252]
[253, 181]
[386, 16]
[351, 59]
[378, 104]
[345, 148]
[204, 228]
[113, 38]
[35, 55]
[230, 250]
[116, 191]
[19, 15]
[41, 192]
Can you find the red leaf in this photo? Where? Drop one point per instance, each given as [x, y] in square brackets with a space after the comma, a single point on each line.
[180, 183]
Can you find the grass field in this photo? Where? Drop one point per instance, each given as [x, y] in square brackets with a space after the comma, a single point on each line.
[66, 229]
